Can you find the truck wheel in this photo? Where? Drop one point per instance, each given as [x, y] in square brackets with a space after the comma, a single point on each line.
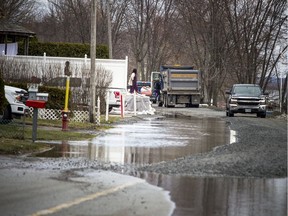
[261, 115]
[230, 114]
[165, 100]
[7, 115]
[169, 105]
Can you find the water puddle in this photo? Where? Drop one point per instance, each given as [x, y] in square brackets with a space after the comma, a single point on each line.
[150, 141]
[165, 139]
[223, 196]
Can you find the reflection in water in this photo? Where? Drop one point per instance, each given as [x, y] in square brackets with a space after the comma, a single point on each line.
[223, 196]
[149, 141]
[233, 138]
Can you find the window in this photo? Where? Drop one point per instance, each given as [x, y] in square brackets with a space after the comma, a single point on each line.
[247, 90]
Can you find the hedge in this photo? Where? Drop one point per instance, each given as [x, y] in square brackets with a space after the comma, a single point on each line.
[63, 49]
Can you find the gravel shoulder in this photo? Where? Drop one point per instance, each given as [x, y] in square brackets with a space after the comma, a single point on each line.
[260, 150]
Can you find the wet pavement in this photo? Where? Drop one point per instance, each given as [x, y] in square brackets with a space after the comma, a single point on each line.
[150, 141]
[223, 196]
[86, 192]
[161, 139]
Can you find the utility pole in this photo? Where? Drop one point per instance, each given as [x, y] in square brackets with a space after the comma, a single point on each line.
[92, 105]
[109, 29]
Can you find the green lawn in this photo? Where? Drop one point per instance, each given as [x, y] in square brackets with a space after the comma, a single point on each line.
[12, 142]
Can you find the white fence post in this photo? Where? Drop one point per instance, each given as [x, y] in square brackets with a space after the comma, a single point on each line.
[85, 59]
[135, 103]
[107, 106]
[43, 66]
[123, 101]
[98, 112]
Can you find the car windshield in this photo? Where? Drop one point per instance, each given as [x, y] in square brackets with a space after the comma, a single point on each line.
[143, 83]
[247, 90]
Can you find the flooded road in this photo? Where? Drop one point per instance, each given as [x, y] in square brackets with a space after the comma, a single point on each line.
[223, 196]
[150, 141]
[162, 139]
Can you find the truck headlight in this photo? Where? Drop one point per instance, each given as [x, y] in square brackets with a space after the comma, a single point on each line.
[233, 101]
[262, 102]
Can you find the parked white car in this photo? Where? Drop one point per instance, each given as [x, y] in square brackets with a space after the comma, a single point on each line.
[16, 98]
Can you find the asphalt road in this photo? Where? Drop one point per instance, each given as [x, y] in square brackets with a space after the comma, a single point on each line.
[26, 191]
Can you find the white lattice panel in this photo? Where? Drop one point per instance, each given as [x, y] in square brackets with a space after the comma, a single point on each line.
[80, 116]
[53, 114]
[50, 114]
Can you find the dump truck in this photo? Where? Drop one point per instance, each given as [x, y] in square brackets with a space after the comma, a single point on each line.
[179, 85]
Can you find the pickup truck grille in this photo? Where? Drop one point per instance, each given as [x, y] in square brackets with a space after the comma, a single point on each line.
[248, 102]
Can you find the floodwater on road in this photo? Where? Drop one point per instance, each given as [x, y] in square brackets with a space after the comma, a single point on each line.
[223, 196]
[162, 139]
[150, 141]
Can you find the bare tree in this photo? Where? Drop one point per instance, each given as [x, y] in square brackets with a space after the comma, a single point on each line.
[159, 34]
[233, 41]
[118, 9]
[18, 10]
[206, 40]
[70, 20]
[256, 27]
[103, 80]
[138, 17]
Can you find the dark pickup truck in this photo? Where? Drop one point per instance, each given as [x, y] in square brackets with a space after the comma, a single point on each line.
[246, 98]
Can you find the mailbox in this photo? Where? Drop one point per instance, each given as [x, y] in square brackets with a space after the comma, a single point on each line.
[42, 96]
[32, 91]
[39, 102]
[36, 100]
[36, 104]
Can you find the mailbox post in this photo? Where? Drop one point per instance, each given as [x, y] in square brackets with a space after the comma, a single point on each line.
[37, 101]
